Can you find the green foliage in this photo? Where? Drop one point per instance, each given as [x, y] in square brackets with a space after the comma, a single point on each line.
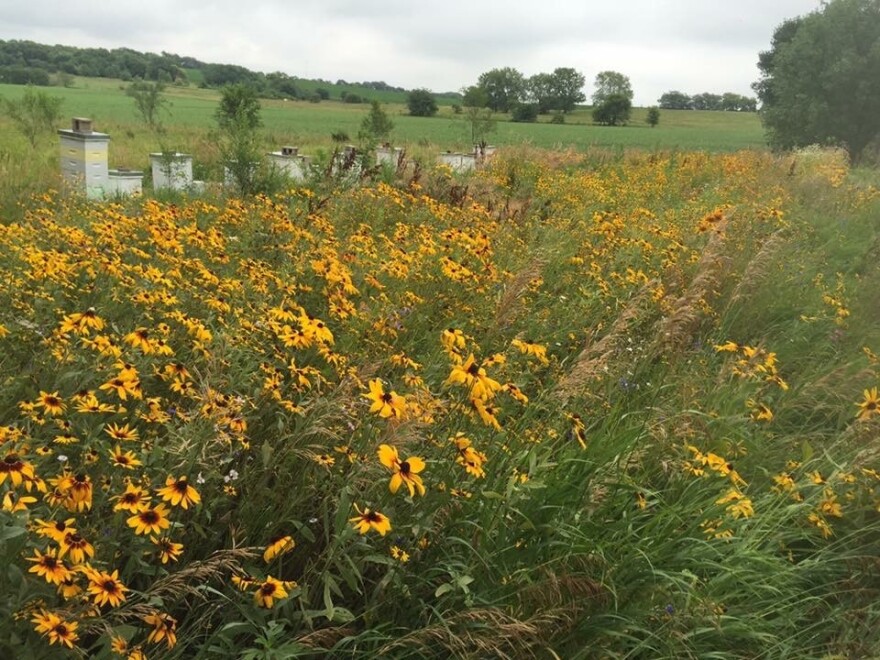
[480, 122]
[524, 112]
[653, 117]
[239, 109]
[421, 103]
[675, 100]
[503, 88]
[474, 97]
[611, 83]
[33, 114]
[376, 126]
[559, 91]
[821, 78]
[567, 85]
[239, 122]
[614, 110]
[148, 100]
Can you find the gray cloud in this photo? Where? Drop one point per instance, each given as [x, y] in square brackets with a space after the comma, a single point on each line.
[692, 45]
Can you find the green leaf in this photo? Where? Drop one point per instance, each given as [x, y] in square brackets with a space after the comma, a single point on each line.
[11, 532]
[806, 451]
[443, 589]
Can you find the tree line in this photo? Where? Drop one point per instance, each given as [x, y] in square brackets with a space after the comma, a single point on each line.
[30, 63]
[559, 92]
[728, 102]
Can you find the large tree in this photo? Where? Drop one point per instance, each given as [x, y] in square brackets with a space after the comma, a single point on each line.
[421, 103]
[821, 78]
[675, 100]
[568, 88]
[541, 91]
[504, 88]
[610, 83]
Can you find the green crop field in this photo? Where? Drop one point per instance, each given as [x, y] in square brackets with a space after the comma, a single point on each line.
[309, 125]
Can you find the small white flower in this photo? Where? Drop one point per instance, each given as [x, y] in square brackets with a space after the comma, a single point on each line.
[200, 479]
[62, 458]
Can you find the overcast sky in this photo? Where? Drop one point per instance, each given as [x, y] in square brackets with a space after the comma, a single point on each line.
[690, 45]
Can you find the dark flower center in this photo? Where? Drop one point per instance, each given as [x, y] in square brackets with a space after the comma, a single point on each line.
[150, 517]
[267, 589]
[404, 468]
[109, 586]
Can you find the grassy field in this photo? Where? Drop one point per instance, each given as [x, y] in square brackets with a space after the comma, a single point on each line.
[310, 125]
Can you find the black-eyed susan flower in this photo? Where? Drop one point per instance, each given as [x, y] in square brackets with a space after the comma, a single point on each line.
[150, 520]
[51, 403]
[453, 340]
[78, 547]
[55, 628]
[69, 588]
[80, 493]
[105, 588]
[487, 412]
[271, 590]
[243, 582]
[468, 457]
[179, 492]
[400, 555]
[121, 433]
[278, 545]
[164, 628]
[405, 472]
[49, 566]
[515, 392]
[325, 460]
[167, 549]
[528, 347]
[870, 405]
[738, 505]
[13, 502]
[385, 404]
[14, 468]
[123, 459]
[119, 645]
[474, 377]
[367, 520]
[135, 499]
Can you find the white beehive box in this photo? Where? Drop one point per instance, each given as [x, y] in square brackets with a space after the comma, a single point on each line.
[172, 171]
[84, 158]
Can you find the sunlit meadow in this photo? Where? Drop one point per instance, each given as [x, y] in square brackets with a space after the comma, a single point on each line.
[572, 406]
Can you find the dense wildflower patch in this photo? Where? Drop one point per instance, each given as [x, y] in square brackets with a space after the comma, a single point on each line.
[340, 410]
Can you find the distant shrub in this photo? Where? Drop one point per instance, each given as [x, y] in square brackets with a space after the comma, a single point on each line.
[340, 136]
[557, 118]
[525, 112]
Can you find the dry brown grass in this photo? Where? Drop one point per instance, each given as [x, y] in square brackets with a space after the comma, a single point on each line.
[676, 330]
[593, 361]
